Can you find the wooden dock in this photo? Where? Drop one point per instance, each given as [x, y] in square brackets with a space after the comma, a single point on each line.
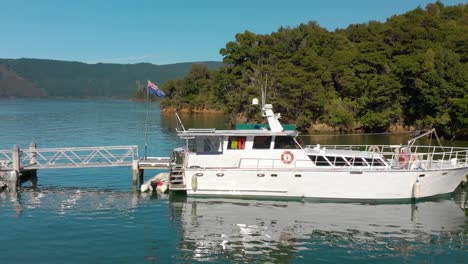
[25, 163]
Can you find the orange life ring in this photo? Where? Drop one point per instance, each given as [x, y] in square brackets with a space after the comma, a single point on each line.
[287, 157]
[374, 148]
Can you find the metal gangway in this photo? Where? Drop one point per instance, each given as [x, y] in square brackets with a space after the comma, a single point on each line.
[62, 158]
[16, 164]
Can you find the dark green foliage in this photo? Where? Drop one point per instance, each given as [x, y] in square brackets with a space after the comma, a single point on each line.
[75, 79]
[410, 70]
[193, 90]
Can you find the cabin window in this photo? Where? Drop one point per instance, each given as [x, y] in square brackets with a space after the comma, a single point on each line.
[357, 162]
[337, 161]
[374, 162]
[300, 142]
[285, 142]
[262, 142]
[207, 145]
[319, 160]
[236, 142]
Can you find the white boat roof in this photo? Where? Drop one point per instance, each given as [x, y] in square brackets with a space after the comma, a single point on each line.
[196, 132]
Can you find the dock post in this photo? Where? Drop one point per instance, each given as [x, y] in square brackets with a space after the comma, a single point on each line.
[9, 179]
[32, 151]
[135, 174]
[15, 158]
[141, 174]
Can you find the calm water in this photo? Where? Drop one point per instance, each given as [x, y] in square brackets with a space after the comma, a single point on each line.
[91, 215]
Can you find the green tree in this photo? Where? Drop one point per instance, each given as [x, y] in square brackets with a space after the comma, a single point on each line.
[410, 70]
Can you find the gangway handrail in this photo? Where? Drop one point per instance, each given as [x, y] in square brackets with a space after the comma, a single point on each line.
[74, 157]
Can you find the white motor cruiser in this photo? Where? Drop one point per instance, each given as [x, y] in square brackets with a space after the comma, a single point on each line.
[268, 160]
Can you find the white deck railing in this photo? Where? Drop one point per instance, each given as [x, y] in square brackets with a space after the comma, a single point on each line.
[268, 163]
[401, 157]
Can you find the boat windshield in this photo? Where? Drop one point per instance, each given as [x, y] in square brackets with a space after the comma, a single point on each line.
[262, 142]
[285, 142]
[206, 145]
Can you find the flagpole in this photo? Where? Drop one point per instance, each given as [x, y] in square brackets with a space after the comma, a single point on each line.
[146, 129]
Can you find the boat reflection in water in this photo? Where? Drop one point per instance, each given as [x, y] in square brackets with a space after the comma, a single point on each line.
[232, 230]
[277, 231]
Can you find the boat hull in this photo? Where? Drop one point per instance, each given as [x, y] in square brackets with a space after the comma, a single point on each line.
[326, 184]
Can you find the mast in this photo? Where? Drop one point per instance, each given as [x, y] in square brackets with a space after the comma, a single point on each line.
[267, 111]
[146, 129]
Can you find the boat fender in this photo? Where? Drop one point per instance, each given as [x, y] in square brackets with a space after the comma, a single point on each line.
[194, 182]
[416, 189]
[374, 148]
[287, 157]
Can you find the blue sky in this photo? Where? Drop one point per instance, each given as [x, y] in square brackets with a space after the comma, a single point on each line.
[163, 32]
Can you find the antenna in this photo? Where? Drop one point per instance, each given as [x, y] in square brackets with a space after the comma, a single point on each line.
[179, 123]
[264, 90]
[146, 122]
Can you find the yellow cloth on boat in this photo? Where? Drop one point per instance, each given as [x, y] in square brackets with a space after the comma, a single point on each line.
[234, 143]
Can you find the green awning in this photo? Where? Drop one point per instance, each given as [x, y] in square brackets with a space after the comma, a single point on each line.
[260, 126]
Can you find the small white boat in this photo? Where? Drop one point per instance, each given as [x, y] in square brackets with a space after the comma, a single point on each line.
[270, 161]
[157, 183]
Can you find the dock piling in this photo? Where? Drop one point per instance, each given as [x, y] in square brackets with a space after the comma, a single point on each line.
[135, 170]
[15, 157]
[12, 178]
[32, 151]
[32, 161]
[141, 174]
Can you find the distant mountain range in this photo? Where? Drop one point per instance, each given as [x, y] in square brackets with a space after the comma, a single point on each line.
[52, 78]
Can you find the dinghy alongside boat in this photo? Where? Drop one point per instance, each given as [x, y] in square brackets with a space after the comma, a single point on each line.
[158, 183]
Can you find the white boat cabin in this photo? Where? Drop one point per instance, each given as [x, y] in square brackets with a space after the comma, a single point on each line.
[262, 148]
[212, 141]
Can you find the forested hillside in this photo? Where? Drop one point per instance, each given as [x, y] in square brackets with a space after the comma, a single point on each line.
[76, 79]
[411, 70]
